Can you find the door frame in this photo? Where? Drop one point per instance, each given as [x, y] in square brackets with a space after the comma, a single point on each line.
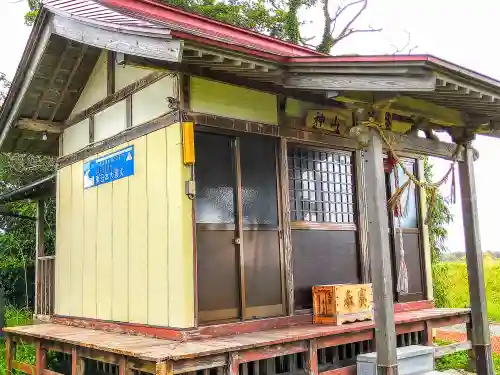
[243, 310]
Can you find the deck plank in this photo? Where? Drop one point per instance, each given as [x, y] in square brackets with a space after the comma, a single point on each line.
[153, 349]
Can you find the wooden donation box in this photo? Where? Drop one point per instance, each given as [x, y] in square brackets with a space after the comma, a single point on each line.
[342, 303]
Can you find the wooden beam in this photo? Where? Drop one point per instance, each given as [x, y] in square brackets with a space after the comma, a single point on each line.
[380, 256]
[100, 36]
[480, 326]
[360, 82]
[68, 81]
[40, 125]
[110, 70]
[36, 58]
[115, 98]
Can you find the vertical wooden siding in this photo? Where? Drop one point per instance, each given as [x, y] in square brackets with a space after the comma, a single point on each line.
[124, 249]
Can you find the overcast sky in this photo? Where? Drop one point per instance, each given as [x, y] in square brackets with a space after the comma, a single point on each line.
[463, 32]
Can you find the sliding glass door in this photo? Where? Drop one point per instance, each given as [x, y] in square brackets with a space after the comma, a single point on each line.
[237, 227]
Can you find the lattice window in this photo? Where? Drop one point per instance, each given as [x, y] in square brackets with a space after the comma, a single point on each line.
[321, 185]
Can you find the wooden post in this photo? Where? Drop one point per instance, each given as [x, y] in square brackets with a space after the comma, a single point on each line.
[285, 227]
[474, 255]
[362, 217]
[77, 363]
[378, 239]
[311, 358]
[10, 354]
[40, 252]
[40, 358]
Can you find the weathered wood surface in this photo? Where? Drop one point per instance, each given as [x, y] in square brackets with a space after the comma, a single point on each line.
[109, 39]
[441, 351]
[474, 256]
[40, 125]
[152, 349]
[361, 83]
[380, 257]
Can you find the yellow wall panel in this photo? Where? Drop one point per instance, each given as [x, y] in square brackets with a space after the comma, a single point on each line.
[125, 248]
[138, 235]
[89, 270]
[157, 228]
[104, 249]
[232, 101]
[63, 254]
[180, 240]
[76, 256]
[120, 250]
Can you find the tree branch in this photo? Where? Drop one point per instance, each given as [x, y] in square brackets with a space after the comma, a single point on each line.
[353, 19]
[354, 31]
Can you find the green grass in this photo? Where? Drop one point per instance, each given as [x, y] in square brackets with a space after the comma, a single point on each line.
[25, 353]
[451, 288]
[460, 360]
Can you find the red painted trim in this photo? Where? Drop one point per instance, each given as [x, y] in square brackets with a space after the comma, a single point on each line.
[328, 341]
[349, 370]
[413, 306]
[126, 328]
[162, 12]
[359, 59]
[410, 327]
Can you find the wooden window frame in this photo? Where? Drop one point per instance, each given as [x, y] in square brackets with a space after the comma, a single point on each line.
[322, 225]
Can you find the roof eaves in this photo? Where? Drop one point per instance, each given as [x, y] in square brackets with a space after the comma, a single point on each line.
[21, 68]
[211, 29]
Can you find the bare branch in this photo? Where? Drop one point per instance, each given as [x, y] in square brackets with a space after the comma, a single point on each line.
[354, 31]
[341, 9]
[353, 19]
[406, 46]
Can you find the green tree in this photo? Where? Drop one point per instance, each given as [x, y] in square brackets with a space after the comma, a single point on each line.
[439, 218]
[18, 236]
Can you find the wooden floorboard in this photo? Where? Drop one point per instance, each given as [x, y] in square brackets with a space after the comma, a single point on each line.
[152, 349]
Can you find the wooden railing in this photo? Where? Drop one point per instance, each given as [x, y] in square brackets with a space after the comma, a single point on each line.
[44, 305]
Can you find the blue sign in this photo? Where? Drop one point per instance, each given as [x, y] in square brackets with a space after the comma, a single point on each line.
[109, 168]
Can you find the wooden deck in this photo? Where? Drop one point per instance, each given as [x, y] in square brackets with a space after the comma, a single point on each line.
[159, 350]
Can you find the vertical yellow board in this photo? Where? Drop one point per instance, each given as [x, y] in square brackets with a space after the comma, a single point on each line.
[57, 281]
[180, 240]
[89, 271]
[63, 264]
[157, 228]
[138, 235]
[120, 249]
[76, 282]
[104, 249]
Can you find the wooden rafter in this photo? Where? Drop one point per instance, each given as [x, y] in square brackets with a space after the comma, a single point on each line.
[55, 73]
[40, 126]
[83, 51]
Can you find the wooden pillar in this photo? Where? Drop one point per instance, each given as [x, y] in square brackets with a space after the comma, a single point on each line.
[311, 358]
[10, 354]
[40, 358]
[480, 327]
[362, 217]
[285, 227]
[40, 252]
[77, 363]
[380, 257]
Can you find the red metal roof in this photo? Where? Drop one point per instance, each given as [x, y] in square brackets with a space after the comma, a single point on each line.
[197, 28]
[92, 10]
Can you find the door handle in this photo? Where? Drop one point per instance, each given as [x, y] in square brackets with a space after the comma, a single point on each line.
[237, 241]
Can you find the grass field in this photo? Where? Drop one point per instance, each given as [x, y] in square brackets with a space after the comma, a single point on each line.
[451, 288]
